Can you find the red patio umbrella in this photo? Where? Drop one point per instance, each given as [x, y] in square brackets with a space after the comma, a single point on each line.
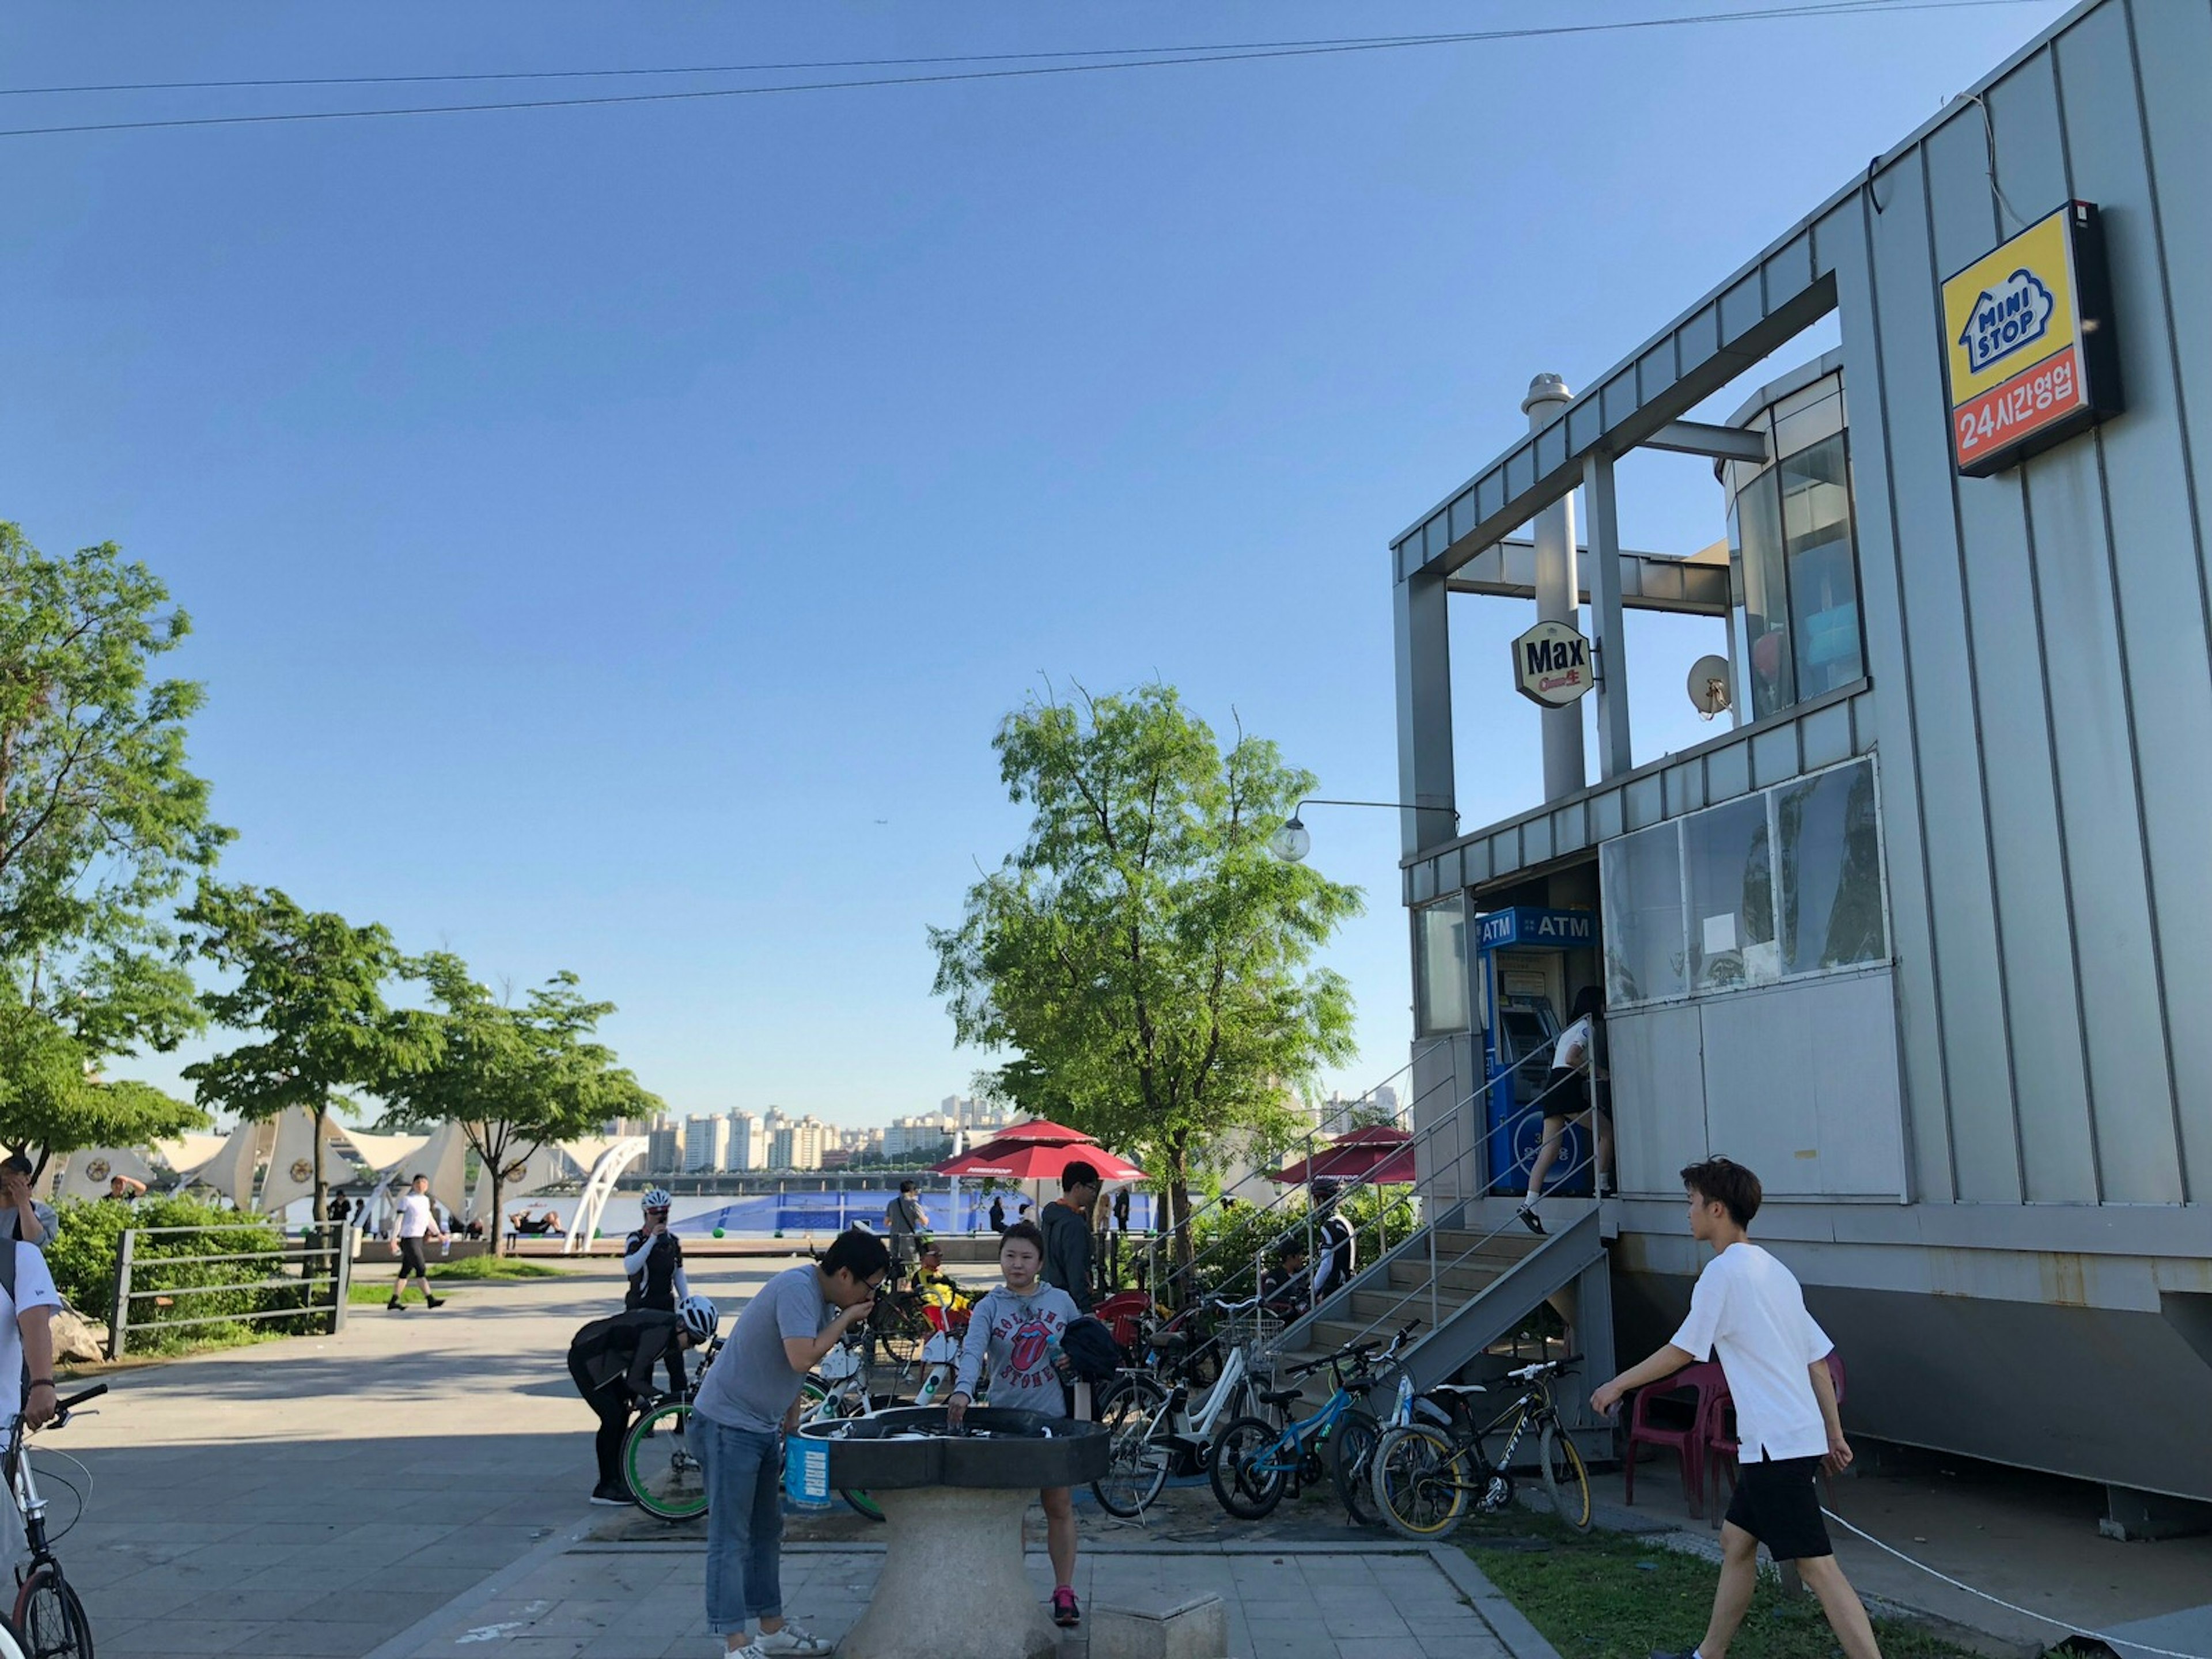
[1007, 1160]
[1044, 1132]
[1379, 1155]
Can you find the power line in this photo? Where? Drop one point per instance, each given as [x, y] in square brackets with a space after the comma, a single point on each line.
[1121, 61]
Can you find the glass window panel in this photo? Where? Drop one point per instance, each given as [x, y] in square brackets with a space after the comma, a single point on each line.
[1766, 598]
[1440, 949]
[1831, 914]
[1642, 884]
[1731, 883]
[1823, 583]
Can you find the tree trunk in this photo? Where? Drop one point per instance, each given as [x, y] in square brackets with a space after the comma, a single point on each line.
[1178, 1197]
[322, 1206]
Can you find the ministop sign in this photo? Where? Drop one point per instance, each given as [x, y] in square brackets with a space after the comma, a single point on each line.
[1551, 663]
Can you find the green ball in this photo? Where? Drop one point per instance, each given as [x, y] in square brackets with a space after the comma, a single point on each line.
[718, 1233]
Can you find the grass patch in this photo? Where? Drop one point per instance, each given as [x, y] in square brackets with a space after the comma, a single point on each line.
[1608, 1597]
[364, 1291]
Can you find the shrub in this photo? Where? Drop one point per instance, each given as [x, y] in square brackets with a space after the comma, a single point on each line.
[82, 1256]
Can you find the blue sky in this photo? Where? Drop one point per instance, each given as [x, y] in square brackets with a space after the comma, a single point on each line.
[595, 521]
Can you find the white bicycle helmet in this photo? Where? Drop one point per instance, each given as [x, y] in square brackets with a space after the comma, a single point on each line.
[656, 1198]
[701, 1316]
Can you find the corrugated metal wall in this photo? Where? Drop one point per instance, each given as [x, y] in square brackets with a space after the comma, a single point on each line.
[2041, 641]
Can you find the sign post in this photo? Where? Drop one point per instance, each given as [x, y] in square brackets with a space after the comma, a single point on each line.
[2029, 351]
[1552, 664]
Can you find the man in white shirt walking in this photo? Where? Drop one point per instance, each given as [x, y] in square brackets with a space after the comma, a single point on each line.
[418, 1220]
[1747, 1307]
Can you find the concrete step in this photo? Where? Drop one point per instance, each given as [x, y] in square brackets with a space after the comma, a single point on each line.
[1453, 1242]
[1458, 1283]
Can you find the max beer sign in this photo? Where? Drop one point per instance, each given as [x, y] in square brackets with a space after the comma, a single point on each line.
[1552, 664]
[2029, 349]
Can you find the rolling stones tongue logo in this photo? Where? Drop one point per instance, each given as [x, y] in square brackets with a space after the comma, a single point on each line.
[1029, 1339]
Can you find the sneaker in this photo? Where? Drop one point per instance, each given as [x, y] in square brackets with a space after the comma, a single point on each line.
[1531, 1219]
[396, 1305]
[1606, 1189]
[435, 1301]
[750, 1650]
[1065, 1613]
[617, 1497]
[792, 1639]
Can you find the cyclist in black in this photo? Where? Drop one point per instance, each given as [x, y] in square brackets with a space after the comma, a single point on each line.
[653, 1258]
[610, 1360]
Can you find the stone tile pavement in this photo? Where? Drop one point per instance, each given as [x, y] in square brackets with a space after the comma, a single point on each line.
[576, 1599]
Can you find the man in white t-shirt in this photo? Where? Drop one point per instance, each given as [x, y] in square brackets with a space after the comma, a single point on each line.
[418, 1220]
[1748, 1308]
[27, 1300]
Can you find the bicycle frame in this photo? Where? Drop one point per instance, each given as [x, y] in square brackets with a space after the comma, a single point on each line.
[1292, 1444]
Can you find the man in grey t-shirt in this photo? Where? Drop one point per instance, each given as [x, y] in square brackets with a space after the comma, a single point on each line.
[749, 1395]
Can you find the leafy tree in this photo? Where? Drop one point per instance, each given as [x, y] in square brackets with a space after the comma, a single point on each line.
[1143, 954]
[101, 823]
[311, 985]
[52, 1103]
[512, 1078]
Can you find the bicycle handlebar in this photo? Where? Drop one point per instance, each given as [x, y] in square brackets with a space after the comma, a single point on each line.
[64, 1407]
[1544, 1367]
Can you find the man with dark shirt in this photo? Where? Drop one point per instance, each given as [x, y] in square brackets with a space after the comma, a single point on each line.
[1067, 1233]
[653, 1258]
[1287, 1289]
[611, 1360]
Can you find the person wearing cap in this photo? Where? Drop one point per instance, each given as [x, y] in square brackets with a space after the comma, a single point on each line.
[1336, 1247]
[653, 1258]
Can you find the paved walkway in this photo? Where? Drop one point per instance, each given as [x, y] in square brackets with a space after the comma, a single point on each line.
[591, 1601]
[311, 1498]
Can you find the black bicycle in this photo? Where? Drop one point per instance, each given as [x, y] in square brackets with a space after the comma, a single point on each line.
[49, 1619]
[1426, 1479]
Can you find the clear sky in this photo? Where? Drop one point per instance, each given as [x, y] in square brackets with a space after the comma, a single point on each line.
[612, 534]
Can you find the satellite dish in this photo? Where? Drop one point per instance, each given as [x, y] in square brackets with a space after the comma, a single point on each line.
[1709, 685]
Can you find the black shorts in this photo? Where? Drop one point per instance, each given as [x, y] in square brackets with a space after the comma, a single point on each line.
[412, 1263]
[1777, 1503]
[1567, 1094]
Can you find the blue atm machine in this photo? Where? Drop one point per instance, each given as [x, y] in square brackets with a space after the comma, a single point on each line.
[1520, 994]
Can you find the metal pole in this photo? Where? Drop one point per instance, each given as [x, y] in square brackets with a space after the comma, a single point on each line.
[1612, 747]
[118, 1321]
[1557, 596]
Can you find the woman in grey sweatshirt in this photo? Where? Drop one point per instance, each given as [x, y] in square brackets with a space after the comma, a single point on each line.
[1015, 1333]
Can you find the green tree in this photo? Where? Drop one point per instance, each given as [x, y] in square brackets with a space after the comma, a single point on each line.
[101, 824]
[1143, 955]
[513, 1077]
[310, 984]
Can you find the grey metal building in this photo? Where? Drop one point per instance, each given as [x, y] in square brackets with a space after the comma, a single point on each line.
[1924, 935]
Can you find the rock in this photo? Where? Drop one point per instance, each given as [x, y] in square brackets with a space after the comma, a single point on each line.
[76, 1340]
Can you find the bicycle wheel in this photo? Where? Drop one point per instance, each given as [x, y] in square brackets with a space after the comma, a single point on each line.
[1247, 1473]
[1419, 1477]
[861, 1504]
[662, 1468]
[1352, 1462]
[900, 1328]
[1566, 1479]
[51, 1618]
[1138, 1465]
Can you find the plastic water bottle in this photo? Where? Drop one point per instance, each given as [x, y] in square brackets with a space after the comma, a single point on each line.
[1059, 1358]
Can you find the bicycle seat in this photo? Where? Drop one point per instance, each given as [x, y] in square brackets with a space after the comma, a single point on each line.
[1460, 1388]
[1279, 1396]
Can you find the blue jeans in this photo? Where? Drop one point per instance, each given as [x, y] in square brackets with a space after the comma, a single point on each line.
[745, 1524]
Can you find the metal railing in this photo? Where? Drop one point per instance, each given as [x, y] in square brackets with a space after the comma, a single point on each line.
[129, 1267]
[1436, 1268]
[1313, 1144]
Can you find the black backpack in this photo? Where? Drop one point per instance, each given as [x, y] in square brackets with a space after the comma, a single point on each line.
[1090, 1350]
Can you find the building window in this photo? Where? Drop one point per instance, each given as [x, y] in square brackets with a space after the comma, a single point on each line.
[1731, 888]
[1824, 578]
[1793, 554]
[1778, 885]
[1440, 966]
[1641, 878]
[1831, 840]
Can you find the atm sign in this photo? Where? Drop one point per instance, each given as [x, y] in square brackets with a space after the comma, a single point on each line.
[2028, 346]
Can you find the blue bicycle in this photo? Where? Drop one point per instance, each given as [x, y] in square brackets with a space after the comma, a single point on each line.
[1254, 1462]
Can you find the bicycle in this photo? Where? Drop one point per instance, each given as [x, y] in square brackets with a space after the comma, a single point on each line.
[1425, 1478]
[47, 1614]
[1149, 1421]
[1255, 1462]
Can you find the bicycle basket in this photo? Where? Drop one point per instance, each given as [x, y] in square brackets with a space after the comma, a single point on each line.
[1257, 1331]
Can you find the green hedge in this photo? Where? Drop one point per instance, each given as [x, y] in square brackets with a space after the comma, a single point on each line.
[1224, 1242]
[83, 1257]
